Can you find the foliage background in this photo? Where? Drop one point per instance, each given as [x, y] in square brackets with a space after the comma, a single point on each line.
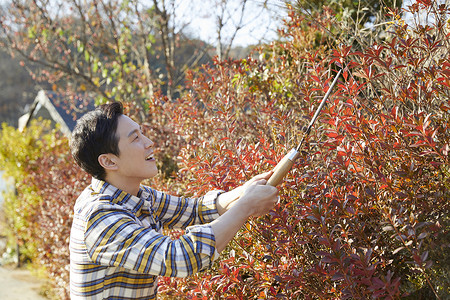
[364, 213]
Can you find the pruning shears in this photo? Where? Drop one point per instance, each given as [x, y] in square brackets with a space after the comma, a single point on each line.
[286, 163]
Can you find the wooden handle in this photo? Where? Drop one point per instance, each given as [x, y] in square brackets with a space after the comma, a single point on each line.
[282, 168]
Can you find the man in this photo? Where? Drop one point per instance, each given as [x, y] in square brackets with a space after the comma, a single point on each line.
[117, 249]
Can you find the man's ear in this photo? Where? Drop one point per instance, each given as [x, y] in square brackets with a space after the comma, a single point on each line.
[107, 161]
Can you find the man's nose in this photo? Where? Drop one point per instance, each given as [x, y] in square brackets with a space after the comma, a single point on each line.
[148, 142]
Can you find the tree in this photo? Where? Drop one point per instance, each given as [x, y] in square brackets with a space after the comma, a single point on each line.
[227, 19]
[17, 88]
[112, 49]
[82, 47]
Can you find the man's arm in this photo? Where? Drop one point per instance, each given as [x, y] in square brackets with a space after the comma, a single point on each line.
[180, 212]
[114, 238]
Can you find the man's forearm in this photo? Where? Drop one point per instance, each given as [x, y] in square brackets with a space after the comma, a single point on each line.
[228, 224]
[225, 201]
[255, 199]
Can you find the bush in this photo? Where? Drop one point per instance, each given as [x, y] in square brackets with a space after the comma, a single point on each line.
[17, 151]
[58, 183]
[364, 212]
[47, 185]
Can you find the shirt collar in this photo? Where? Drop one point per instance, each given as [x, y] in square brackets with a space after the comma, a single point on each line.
[118, 196]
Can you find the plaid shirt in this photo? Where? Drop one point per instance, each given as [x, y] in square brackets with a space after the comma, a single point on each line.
[116, 246]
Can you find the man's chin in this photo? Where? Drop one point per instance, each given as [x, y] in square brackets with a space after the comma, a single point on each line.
[153, 173]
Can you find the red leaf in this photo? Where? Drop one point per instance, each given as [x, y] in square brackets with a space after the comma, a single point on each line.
[419, 144]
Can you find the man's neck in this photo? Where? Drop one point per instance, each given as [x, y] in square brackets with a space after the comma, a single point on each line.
[129, 186]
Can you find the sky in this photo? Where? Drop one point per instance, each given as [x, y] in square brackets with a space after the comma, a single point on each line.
[201, 17]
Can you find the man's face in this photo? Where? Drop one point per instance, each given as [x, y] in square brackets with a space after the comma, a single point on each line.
[135, 161]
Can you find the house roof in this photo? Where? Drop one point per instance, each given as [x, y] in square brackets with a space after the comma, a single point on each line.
[53, 106]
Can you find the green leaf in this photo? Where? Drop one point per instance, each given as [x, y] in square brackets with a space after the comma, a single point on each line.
[80, 46]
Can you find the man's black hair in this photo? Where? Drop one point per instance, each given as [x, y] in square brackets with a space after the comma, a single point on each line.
[95, 134]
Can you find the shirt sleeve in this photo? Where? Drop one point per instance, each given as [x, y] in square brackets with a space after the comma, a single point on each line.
[114, 238]
[180, 212]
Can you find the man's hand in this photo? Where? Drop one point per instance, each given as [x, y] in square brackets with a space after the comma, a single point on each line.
[255, 199]
[228, 199]
[258, 177]
[258, 198]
